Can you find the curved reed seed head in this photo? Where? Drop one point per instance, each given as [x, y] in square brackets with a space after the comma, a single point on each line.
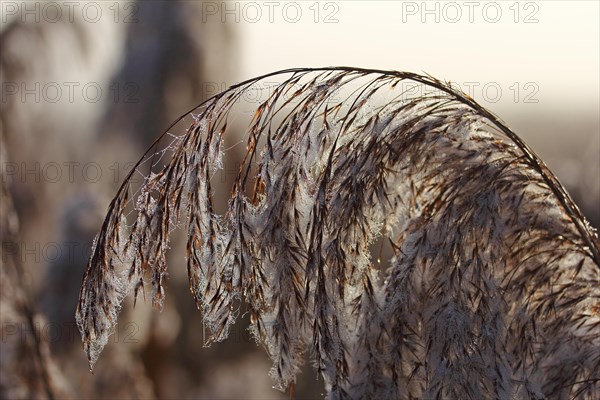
[489, 285]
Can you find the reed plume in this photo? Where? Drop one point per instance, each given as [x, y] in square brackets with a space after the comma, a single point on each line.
[489, 283]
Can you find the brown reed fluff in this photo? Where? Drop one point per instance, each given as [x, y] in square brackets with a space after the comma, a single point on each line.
[492, 286]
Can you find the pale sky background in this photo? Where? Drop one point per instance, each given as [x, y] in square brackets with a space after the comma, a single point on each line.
[559, 53]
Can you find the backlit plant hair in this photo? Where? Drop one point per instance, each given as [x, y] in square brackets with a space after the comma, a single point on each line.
[491, 283]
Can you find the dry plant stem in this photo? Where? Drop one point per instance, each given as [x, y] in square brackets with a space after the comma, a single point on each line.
[13, 271]
[29, 314]
[492, 285]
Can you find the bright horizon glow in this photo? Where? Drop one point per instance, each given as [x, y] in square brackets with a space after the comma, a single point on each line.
[558, 55]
